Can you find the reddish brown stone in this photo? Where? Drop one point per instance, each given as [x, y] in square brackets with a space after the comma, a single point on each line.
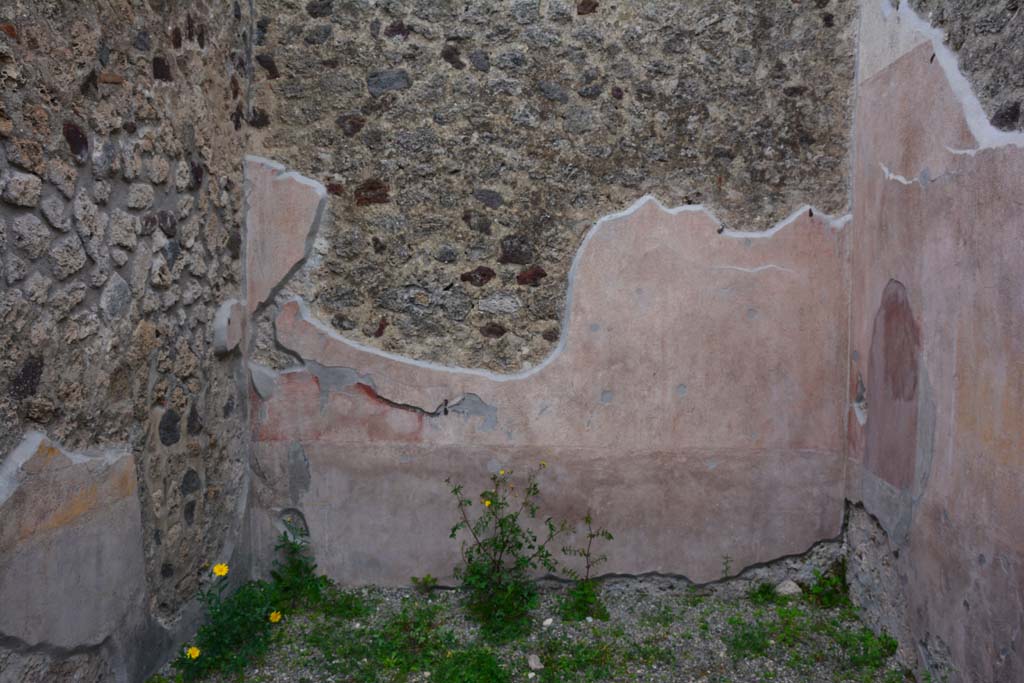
[396, 28]
[586, 7]
[350, 124]
[372, 191]
[10, 30]
[78, 143]
[110, 78]
[266, 60]
[479, 276]
[493, 330]
[381, 326]
[531, 276]
[335, 189]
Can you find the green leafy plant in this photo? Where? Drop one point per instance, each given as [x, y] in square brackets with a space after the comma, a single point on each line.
[424, 584]
[864, 650]
[341, 604]
[763, 594]
[830, 590]
[239, 626]
[792, 625]
[584, 599]
[588, 662]
[411, 640]
[472, 665]
[747, 638]
[294, 575]
[502, 552]
[237, 631]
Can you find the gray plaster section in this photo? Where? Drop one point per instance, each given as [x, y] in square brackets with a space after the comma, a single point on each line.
[336, 379]
[78, 591]
[264, 380]
[298, 473]
[471, 405]
[894, 508]
[222, 324]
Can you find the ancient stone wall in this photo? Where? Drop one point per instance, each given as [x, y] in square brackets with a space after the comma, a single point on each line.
[988, 38]
[678, 407]
[937, 359]
[467, 147]
[122, 434]
[447, 255]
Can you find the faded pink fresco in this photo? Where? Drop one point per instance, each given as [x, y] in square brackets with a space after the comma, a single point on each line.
[694, 408]
[702, 400]
[282, 210]
[950, 230]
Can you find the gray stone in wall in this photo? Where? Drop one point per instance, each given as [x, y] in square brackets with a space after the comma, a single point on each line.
[67, 256]
[116, 298]
[29, 234]
[21, 189]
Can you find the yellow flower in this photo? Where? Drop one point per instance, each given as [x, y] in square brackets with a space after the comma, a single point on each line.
[501, 472]
[192, 652]
[275, 617]
[220, 569]
[487, 503]
[543, 464]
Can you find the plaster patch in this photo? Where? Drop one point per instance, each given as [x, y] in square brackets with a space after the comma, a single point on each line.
[283, 211]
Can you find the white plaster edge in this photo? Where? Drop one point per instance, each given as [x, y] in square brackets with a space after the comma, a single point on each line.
[889, 175]
[835, 223]
[284, 174]
[986, 135]
[11, 475]
[222, 324]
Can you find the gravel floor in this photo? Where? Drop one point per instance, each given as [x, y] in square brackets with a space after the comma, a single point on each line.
[659, 630]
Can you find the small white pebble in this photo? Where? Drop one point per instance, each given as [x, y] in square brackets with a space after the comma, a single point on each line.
[531, 675]
[590, 620]
[547, 622]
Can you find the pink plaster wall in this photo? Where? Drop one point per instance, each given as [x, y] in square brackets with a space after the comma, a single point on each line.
[696, 401]
[695, 406]
[941, 464]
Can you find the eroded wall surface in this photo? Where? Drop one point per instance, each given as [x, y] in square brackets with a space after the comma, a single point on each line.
[937, 361]
[691, 405]
[988, 37]
[467, 147]
[121, 432]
